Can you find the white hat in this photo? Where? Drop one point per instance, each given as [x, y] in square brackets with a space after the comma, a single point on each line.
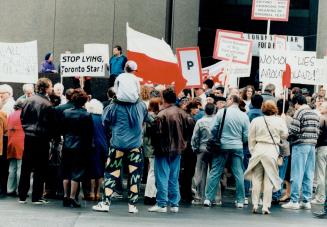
[132, 65]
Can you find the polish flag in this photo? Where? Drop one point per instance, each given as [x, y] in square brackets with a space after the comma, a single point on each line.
[155, 59]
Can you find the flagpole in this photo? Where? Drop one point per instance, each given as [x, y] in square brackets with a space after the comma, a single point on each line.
[284, 99]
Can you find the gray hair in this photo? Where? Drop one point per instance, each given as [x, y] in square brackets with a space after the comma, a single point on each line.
[94, 106]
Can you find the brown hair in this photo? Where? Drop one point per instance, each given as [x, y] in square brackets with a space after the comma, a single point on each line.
[79, 97]
[42, 85]
[243, 96]
[269, 108]
[154, 105]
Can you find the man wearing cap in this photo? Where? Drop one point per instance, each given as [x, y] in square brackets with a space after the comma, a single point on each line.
[127, 85]
[124, 116]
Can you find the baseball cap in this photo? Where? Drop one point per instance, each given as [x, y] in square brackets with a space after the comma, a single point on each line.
[132, 65]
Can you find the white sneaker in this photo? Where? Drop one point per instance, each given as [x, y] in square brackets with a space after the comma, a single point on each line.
[306, 206]
[22, 201]
[207, 203]
[291, 205]
[317, 202]
[158, 209]
[132, 209]
[239, 205]
[174, 209]
[102, 207]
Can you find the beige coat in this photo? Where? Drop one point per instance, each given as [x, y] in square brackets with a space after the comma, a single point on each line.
[262, 148]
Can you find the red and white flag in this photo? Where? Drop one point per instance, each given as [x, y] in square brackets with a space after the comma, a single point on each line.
[155, 59]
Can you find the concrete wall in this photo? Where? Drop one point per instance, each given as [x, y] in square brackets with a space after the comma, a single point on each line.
[185, 23]
[322, 33]
[59, 25]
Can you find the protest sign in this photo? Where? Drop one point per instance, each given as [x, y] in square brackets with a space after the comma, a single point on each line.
[189, 61]
[226, 33]
[303, 67]
[81, 65]
[234, 50]
[274, 10]
[18, 62]
[272, 64]
[302, 64]
[263, 41]
[97, 49]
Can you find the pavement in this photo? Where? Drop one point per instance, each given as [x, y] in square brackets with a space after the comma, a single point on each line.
[53, 214]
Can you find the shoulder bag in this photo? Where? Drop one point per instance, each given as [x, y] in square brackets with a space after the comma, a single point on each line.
[214, 143]
[280, 157]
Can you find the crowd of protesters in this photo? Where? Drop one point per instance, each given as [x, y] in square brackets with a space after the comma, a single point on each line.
[187, 143]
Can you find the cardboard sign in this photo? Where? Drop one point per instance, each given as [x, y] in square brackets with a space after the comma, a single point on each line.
[189, 61]
[272, 64]
[226, 33]
[263, 41]
[81, 65]
[275, 10]
[303, 67]
[280, 42]
[234, 50]
[97, 49]
[19, 62]
[302, 63]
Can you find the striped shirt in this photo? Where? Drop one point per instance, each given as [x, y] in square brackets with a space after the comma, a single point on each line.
[304, 126]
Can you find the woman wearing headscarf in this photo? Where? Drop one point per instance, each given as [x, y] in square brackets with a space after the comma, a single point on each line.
[47, 65]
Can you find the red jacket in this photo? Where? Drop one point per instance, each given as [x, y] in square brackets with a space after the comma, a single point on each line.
[15, 136]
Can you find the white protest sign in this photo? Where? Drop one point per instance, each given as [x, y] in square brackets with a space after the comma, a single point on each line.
[189, 61]
[234, 50]
[81, 65]
[272, 64]
[97, 49]
[303, 68]
[275, 10]
[263, 41]
[226, 33]
[19, 62]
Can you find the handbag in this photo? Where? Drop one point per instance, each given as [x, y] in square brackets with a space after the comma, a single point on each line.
[280, 159]
[214, 143]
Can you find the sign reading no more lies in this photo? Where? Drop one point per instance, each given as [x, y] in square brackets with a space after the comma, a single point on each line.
[234, 50]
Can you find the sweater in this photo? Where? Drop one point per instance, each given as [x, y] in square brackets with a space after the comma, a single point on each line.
[305, 126]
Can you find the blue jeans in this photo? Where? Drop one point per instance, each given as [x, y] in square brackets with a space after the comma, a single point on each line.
[166, 170]
[302, 171]
[218, 165]
[282, 173]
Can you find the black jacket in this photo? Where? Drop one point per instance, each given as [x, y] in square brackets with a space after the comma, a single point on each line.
[37, 116]
[77, 126]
